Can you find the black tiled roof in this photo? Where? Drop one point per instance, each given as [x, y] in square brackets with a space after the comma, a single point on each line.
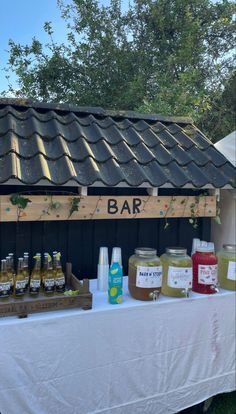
[64, 144]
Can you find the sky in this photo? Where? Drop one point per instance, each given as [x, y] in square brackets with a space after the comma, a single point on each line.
[23, 19]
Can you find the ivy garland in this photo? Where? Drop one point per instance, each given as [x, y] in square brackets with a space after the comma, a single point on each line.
[22, 201]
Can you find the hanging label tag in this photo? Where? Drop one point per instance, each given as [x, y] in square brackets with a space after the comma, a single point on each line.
[231, 274]
[180, 277]
[149, 277]
[207, 274]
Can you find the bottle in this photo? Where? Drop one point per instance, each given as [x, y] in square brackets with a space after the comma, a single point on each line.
[49, 277]
[177, 272]
[44, 269]
[26, 270]
[10, 271]
[227, 267]
[145, 274]
[12, 262]
[205, 270]
[115, 281]
[19, 284]
[5, 285]
[59, 276]
[35, 279]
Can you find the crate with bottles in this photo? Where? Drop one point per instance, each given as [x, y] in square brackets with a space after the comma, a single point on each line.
[47, 276]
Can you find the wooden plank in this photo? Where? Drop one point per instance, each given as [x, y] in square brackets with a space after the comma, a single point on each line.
[109, 207]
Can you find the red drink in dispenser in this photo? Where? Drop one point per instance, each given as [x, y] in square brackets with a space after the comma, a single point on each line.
[204, 270]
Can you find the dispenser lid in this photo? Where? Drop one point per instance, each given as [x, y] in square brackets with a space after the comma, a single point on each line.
[205, 249]
[176, 250]
[229, 247]
[145, 251]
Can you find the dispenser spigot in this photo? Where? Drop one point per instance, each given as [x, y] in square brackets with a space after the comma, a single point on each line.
[185, 292]
[215, 288]
[154, 295]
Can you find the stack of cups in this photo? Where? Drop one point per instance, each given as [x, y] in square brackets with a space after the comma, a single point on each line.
[103, 270]
[196, 243]
[116, 256]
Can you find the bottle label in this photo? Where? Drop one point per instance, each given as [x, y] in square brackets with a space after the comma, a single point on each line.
[20, 287]
[149, 277]
[60, 284]
[115, 281]
[207, 274]
[231, 274]
[5, 288]
[49, 285]
[180, 277]
[34, 286]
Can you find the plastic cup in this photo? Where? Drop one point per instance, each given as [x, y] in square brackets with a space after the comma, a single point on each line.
[103, 256]
[195, 244]
[116, 256]
[103, 270]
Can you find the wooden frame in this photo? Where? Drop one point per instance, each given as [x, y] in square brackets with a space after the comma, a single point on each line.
[40, 208]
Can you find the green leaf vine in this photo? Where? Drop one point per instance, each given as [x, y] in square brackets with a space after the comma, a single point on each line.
[20, 201]
[74, 205]
[51, 207]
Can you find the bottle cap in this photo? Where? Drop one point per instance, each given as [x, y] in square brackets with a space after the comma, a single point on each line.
[103, 256]
[116, 256]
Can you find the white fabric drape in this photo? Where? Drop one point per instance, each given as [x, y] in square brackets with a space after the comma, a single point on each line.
[134, 358]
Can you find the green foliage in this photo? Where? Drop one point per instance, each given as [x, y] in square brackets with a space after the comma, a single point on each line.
[19, 200]
[172, 57]
[74, 205]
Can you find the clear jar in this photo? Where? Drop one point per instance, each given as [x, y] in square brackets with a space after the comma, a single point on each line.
[205, 270]
[227, 267]
[145, 274]
[177, 272]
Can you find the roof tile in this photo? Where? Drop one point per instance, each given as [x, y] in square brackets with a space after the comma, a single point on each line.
[88, 145]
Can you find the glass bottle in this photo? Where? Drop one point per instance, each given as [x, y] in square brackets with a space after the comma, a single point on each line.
[44, 269]
[5, 285]
[177, 272]
[11, 272]
[49, 277]
[145, 274]
[227, 267]
[59, 276]
[19, 284]
[204, 270]
[26, 270]
[35, 279]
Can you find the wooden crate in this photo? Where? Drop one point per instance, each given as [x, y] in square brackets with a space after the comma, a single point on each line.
[23, 307]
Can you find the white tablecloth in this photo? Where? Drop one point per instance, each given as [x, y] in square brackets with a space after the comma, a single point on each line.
[134, 358]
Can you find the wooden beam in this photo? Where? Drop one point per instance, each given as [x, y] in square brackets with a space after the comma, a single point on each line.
[153, 191]
[46, 208]
[83, 191]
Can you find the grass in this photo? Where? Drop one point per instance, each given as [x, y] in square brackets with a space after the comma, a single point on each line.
[220, 404]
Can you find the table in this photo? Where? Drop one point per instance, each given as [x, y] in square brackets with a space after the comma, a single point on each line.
[134, 358]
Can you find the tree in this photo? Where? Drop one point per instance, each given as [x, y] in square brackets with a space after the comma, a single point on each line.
[168, 56]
